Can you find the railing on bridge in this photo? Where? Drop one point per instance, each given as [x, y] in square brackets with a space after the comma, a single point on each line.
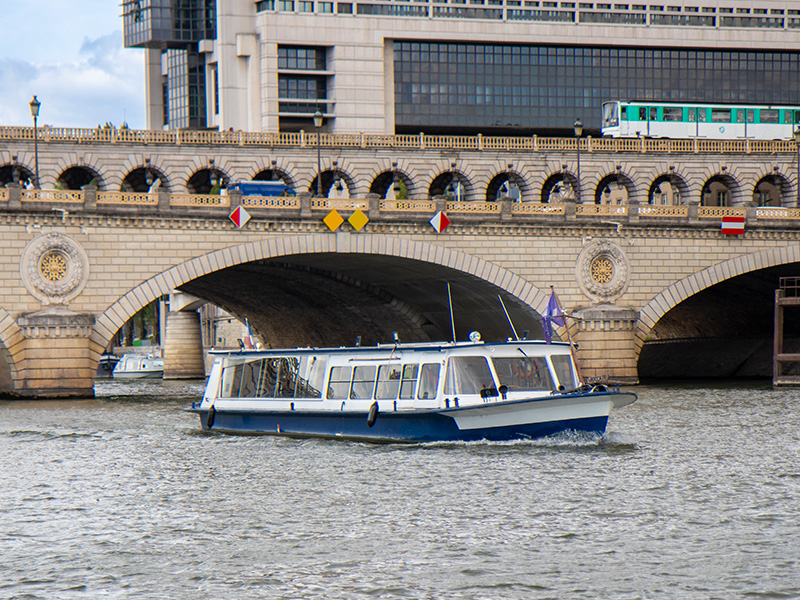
[421, 141]
[785, 365]
[302, 206]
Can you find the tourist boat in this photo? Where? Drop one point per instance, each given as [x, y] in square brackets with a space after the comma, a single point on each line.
[138, 366]
[105, 365]
[424, 392]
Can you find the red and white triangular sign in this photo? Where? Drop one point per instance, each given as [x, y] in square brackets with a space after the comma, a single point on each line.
[440, 222]
[239, 216]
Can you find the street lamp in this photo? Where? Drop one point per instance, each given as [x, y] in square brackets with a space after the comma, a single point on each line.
[35, 104]
[797, 143]
[317, 125]
[578, 127]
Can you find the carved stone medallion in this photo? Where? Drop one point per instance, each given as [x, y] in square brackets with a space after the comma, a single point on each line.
[54, 268]
[602, 271]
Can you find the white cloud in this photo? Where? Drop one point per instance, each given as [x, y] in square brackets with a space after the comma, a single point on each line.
[102, 83]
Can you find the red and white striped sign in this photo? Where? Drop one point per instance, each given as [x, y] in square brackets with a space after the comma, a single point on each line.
[732, 225]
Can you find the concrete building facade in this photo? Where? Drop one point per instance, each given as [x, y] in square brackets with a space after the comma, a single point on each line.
[457, 66]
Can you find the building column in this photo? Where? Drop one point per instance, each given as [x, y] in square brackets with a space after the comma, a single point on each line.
[183, 346]
[606, 341]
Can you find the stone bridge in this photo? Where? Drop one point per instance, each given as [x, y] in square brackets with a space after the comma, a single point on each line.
[654, 286]
[77, 265]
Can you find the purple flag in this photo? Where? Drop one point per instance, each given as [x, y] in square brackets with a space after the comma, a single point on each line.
[552, 316]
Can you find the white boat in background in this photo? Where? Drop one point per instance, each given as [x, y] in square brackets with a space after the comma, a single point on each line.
[406, 392]
[138, 366]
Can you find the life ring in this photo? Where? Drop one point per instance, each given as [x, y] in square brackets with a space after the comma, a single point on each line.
[212, 413]
[372, 414]
[598, 389]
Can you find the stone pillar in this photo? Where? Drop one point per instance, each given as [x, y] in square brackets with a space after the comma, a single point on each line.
[58, 360]
[183, 346]
[14, 196]
[606, 341]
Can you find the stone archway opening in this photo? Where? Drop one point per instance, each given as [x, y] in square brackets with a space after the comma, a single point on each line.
[207, 181]
[450, 184]
[505, 185]
[558, 187]
[612, 189]
[665, 191]
[16, 173]
[274, 174]
[768, 191]
[143, 180]
[74, 178]
[334, 183]
[718, 191]
[391, 185]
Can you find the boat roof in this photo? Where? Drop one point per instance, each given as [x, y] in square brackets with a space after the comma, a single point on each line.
[388, 348]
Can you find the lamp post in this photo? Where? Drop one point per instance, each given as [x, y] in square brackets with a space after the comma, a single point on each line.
[35, 104]
[578, 127]
[797, 143]
[317, 125]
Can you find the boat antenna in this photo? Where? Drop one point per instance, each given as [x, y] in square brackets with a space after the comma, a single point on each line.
[508, 317]
[452, 322]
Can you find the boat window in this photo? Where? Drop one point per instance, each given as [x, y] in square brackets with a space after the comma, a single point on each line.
[339, 382]
[408, 386]
[467, 375]
[287, 377]
[250, 371]
[388, 382]
[523, 373]
[312, 374]
[428, 381]
[231, 380]
[363, 382]
[562, 363]
[268, 379]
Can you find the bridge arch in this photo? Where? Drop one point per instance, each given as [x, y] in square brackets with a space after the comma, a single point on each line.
[507, 183]
[772, 189]
[681, 290]
[10, 334]
[116, 315]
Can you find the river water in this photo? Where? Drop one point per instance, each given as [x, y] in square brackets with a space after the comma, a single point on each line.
[694, 492]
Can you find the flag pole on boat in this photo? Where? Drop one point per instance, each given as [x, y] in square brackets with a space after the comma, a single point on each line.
[452, 321]
[555, 310]
[516, 337]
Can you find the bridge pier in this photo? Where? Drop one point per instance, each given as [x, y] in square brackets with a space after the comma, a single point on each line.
[606, 341]
[56, 355]
[183, 346]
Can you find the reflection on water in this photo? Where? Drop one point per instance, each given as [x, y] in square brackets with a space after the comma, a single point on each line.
[692, 493]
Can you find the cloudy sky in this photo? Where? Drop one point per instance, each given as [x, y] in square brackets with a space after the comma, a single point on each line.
[69, 54]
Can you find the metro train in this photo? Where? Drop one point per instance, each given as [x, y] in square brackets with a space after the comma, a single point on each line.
[622, 118]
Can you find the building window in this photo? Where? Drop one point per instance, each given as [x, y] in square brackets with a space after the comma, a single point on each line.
[301, 58]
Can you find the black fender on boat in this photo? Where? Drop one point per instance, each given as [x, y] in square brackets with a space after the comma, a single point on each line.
[212, 413]
[372, 414]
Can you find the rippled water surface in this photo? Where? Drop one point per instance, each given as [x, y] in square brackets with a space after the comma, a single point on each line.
[693, 493]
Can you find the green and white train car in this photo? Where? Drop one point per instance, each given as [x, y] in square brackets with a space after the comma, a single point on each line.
[623, 119]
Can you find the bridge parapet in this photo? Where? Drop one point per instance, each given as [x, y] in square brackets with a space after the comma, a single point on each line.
[419, 141]
[303, 206]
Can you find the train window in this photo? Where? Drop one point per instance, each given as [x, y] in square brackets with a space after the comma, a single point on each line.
[739, 115]
[751, 116]
[769, 115]
[653, 113]
[623, 113]
[642, 113]
[673, 114]
[720, 115]
[694, 115]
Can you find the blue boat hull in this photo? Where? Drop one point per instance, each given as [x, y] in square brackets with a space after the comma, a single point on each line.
[390, 427]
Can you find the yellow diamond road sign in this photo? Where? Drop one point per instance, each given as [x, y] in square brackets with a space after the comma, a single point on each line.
[358, 219]
[333, 220]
